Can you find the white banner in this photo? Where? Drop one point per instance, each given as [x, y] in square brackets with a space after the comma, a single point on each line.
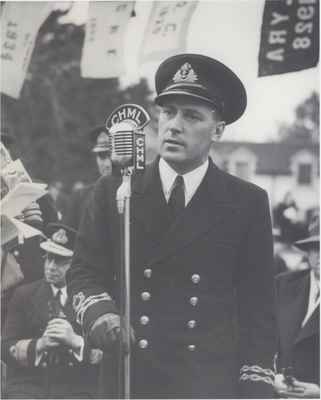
[166, 30]
[103, 51]
[20, 22]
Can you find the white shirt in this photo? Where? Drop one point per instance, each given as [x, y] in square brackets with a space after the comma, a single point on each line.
[63, 296]
[313, 304]
[192, 179]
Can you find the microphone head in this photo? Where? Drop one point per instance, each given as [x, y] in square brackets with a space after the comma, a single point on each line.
[122, 143]
[125, 125]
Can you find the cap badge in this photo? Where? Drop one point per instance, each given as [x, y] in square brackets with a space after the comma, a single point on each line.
[60, 237]
[185, 74]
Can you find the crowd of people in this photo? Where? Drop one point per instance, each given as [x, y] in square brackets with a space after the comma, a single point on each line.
[214, 312]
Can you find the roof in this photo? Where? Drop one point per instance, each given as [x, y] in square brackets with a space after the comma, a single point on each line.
[273, 158]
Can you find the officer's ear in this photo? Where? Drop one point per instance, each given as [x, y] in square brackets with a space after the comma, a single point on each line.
[218, 130]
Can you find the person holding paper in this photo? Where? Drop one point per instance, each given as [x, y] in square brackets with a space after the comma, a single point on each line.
[42, 344]
[202, 305]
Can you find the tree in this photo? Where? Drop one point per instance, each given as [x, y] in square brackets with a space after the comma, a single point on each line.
[58, 107]
[306, 125]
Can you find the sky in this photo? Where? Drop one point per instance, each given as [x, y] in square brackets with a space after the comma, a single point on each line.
[228, 30]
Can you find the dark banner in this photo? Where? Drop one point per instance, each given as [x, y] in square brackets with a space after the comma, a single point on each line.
[289, 36]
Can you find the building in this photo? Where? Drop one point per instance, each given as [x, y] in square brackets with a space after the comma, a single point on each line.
[278, 167]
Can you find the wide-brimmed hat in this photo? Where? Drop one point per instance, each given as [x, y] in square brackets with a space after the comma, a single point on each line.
[202, 78]
[313, 240]
[61, 239]
[100, 138]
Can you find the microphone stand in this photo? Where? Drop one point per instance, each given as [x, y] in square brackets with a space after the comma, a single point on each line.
[123, 205]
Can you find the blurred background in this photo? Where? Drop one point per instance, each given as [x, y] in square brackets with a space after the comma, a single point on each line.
[275, 144]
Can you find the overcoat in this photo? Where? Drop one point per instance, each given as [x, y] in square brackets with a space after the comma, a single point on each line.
[299, 347]
[27, 318]
[202, 303]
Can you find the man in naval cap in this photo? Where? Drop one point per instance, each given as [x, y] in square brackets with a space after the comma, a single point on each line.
[202, 306]
[101, 148]
[42, 344]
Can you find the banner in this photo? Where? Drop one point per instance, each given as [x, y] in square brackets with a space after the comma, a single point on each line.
[20, 22]
[289, 36]
[166, 30]
[103, 51]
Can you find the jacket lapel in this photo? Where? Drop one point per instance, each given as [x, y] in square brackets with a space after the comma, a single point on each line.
[312, 326]
[149, 206]
[40, 303]
[293, 308]
[199, 216]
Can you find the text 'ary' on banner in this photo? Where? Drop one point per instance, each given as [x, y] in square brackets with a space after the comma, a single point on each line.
[103, 50]
[20, 23]
[289, 36]
[166, 30]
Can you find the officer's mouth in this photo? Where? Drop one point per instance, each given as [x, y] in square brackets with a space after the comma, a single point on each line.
[172, 142]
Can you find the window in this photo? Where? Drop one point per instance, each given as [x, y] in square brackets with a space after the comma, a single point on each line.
[305, 174]
[242, 170]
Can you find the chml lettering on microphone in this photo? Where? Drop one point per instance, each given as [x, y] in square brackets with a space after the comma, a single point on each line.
[138, 118]
[131, 113]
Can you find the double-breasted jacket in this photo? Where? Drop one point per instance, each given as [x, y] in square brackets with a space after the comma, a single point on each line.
[202, 304]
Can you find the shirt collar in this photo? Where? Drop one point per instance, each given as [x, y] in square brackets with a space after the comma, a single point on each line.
[192, 179]
[63, 290]
[314, 283]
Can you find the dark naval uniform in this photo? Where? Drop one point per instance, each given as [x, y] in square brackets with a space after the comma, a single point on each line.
[299, 347]
[202, 304]
[28, 316]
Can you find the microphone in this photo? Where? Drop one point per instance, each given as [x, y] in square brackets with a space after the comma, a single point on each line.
[125, 125]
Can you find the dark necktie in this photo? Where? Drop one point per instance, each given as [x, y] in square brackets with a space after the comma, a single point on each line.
[58, 297]
[55, 306]
[176, 201]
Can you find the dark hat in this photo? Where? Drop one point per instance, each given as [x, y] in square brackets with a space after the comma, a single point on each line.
[100, 137]
[61, 239]
[313, 240]
[202, 78]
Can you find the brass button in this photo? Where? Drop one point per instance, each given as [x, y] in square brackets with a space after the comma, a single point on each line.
[16, 253]
[147, 273]
[191, 324]
[70, 351]
[146, 296]
[196, 278]
[144, 320]
[70, 364]
[44, 364]
[143, 343]
[193, 301]
[191, 347]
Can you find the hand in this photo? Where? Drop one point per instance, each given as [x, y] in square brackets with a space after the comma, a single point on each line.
[298, 390]
[106, 331]
[61, 331]
[32, 215]
[45, 343]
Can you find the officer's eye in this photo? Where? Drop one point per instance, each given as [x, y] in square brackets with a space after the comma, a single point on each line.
[192, 116]
[168, 111]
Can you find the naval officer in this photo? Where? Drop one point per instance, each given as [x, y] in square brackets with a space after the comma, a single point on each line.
[202, 305]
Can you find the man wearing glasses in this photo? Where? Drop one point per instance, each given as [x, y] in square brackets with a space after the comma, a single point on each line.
[42, 345]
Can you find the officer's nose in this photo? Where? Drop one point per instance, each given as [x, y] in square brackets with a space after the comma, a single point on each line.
[176, 124]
